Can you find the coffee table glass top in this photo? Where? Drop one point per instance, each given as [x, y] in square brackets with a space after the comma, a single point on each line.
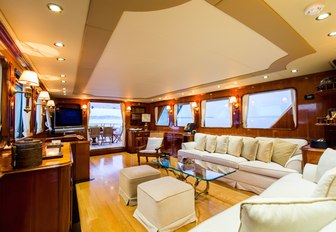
[191, 167]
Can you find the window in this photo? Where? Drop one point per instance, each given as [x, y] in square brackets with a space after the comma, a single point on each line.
[18, 113]
[216, 113]
[105, 114]
[184, 114]
[271, 109]
[162, 116]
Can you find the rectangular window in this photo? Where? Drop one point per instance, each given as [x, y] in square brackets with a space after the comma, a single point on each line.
[216, 113]
[271, 109]
[184, 114]
[105, 114]
[163, 116]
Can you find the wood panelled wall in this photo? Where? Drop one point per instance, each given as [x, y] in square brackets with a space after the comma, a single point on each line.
[308, 110]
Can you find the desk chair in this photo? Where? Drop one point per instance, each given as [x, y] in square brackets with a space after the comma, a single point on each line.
[151, 149]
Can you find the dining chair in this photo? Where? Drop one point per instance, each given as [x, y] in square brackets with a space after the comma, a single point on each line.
[107, 134]
[95, 134]
[117, 134]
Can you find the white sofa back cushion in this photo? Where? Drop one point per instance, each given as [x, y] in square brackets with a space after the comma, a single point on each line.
[222, 144]
[211, 141]
[235, 145]
[326, 187]
[282, 151]
[200, 140]
[284, 214]
[250, 148]
[326, 162]
[299, 142]
[265, 149]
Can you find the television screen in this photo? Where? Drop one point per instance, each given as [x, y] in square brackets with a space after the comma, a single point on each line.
[68, 117]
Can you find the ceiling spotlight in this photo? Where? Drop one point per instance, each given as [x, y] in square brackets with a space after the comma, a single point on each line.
[265, 77]
[218, 86]
[63, 81]
[314, 8]
[54, 7]
[62, 75]
[294, 70]
[323, 16]
[332, 33]
[59, 44]
[60, 59]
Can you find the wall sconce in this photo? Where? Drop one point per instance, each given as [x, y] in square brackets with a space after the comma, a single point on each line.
[44, 96]
[84, 108]
[51, 107]
[194, 105]
[233, 102]
[169, 109]
[128, 108]
[27, 78]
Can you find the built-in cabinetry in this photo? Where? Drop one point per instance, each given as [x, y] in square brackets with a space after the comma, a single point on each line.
[173, 141]
[311, 155]
[136, 138]
[136, 113]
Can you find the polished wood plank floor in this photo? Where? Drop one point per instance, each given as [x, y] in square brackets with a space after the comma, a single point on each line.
[101, 208]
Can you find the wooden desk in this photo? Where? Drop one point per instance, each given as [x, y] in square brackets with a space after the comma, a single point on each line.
[311, 155]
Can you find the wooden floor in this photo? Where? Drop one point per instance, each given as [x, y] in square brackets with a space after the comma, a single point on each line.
[101, 208]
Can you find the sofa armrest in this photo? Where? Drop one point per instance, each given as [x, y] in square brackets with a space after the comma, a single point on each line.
[295, 163]
[188, 145]
[309, 172]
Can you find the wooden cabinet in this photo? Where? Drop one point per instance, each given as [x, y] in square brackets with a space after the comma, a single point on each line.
[173, 141]
[135, 139]
[81, 161]
[311, 155]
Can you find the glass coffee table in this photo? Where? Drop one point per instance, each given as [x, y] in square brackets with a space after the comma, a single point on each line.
[190, 168]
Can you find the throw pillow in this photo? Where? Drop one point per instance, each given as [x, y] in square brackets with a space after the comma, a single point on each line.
[222, 144]
[264, 215]
[200, 140]
[211, 141]
[250, 147]
[235, 145]
[326, 187]
[326, 162]
[265, 150]
[282, 151]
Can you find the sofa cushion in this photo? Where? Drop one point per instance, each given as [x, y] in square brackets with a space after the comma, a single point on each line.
[265, 149]
[250, 148]
[280, 214]
[223, 159]
[211, 141]
[326, 187]
[194, 154]
[299, 142]
[291, 185]
[326, 162]
[222, 144]
[200, 140]
[235, 145]
[282, 151]
[265, 169]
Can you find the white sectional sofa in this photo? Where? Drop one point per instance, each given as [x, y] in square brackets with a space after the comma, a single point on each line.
[294, 203]
[259, 161]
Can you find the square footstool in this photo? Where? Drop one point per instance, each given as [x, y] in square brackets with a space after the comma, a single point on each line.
[165, 204]
[129, 179]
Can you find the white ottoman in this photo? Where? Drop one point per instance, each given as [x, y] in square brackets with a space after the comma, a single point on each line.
[129, 179]
[165, 204]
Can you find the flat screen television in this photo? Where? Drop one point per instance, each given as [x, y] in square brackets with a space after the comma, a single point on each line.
[66, 117]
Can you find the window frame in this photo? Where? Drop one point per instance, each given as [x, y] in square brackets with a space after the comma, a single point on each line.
[160, 113]
[295, 107]
[176, 113]
[212, 100]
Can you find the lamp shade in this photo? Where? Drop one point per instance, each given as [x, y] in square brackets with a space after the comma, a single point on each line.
[233, 100]
[51, 103]
[145, 117]
[44, 95]
[29, 78]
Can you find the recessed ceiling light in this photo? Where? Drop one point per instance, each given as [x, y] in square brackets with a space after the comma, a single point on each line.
[294, 70]
[55, 8]
[59, 44]
[60, 59]
[265, 77]
[64, 89]
[332, 33]
[218, 86]
[63, 81]
[64, 93]
[323, 16]
[63, 75]
[235, 82]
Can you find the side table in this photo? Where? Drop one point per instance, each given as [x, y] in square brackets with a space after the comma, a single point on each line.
[311, 155]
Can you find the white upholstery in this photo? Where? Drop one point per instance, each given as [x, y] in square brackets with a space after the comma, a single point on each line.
[224, 159]
[153, 143]
[165, 204]
[326, 162]
[326, 187]
[129, 179]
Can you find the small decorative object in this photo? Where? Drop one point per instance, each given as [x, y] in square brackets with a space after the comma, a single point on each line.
[27, 153]
[187, 164]
[327, 84]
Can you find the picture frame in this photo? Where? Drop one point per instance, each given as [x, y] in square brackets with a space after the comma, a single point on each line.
[332, 113]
